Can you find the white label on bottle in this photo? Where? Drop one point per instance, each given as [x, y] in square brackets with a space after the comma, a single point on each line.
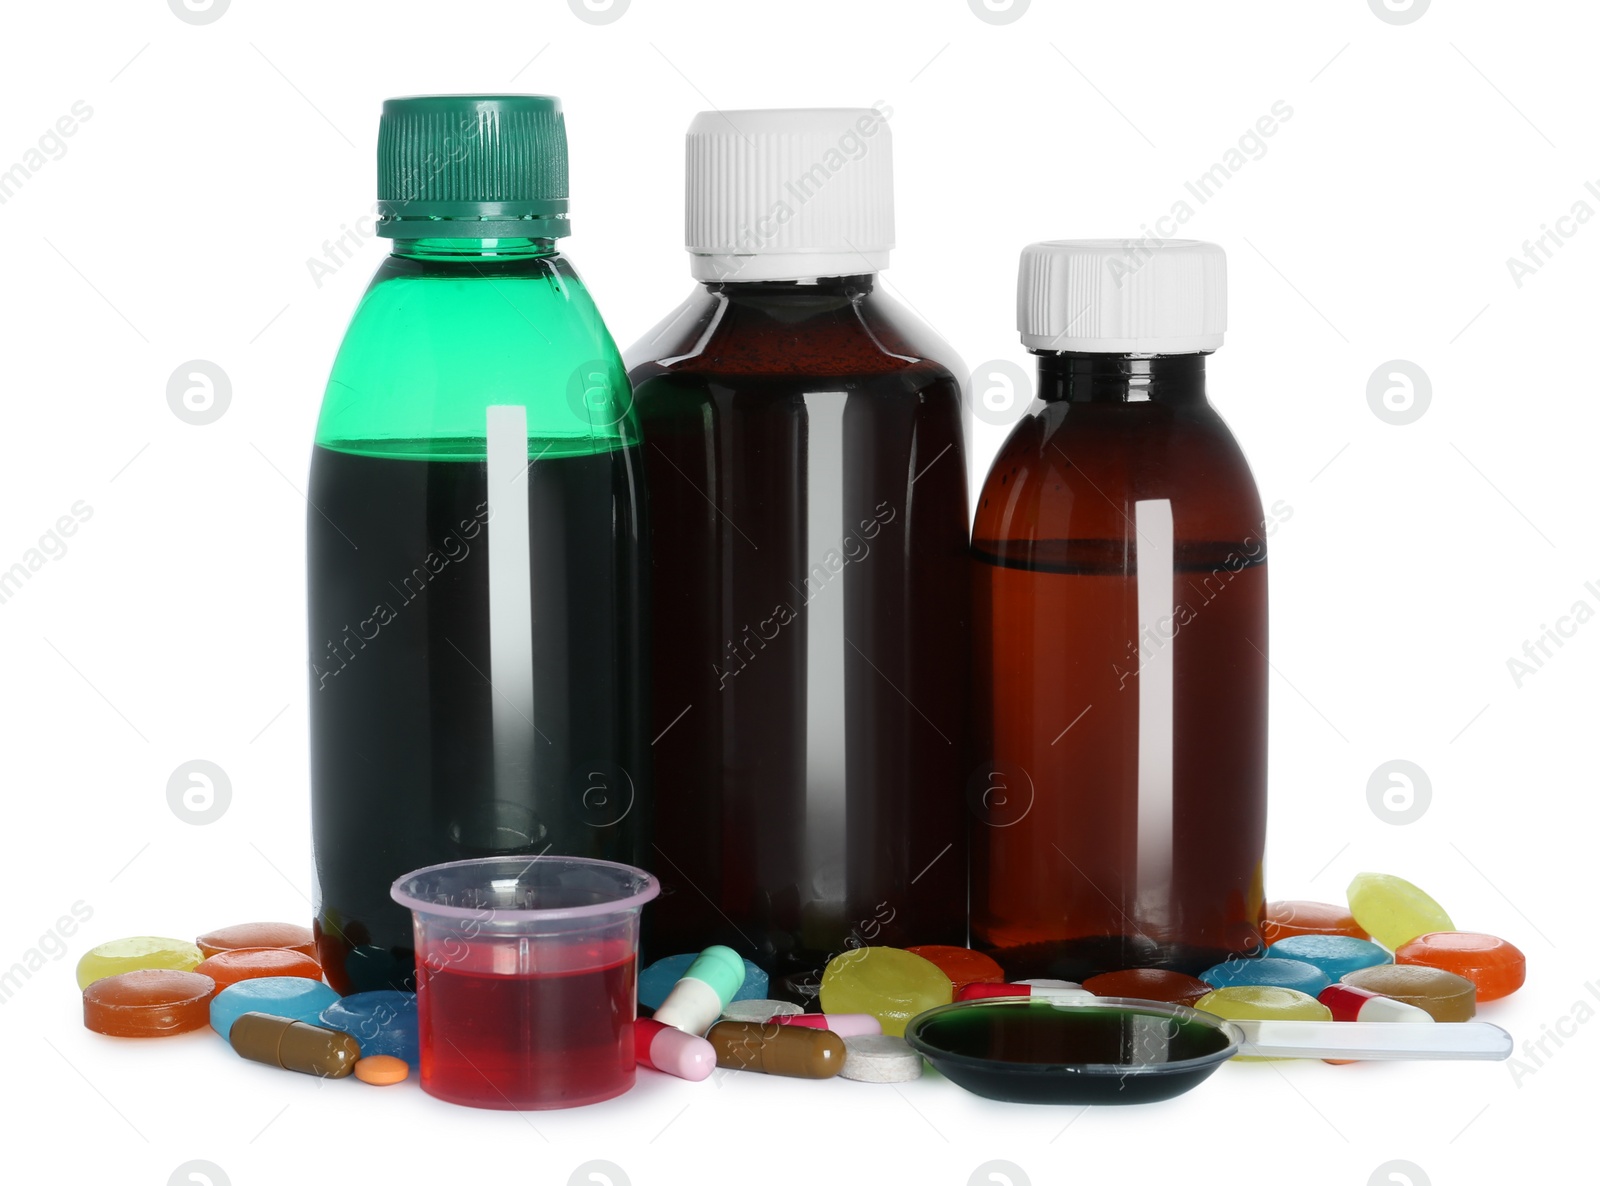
[823, 593]
[510, 600]
[1158, 625]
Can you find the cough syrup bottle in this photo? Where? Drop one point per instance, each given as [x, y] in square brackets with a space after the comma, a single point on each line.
[475, 547]
[806, 468]
[1120, 632]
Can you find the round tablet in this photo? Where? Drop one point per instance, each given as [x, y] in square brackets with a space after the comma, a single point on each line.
[383, 1021]
[250, 963]
[890, 983]
[1268, 972]
[1258, 1003]
[1335, 955]
[1393, 910]
[963, 965]
[381, 1070]
[1444, 995]
[880, 1058]
[1495, 967]
[1262, 1003]
[295, 997]
[134, 954]
[1282, 919]
[1148, 984]
[147, 1003]
[761, 1009]
[259, 934]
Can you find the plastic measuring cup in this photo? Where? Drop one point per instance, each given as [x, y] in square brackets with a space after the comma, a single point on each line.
[526, 978]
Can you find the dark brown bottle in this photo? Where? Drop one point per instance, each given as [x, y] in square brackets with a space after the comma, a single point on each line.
[1120, 637]
[805, 471]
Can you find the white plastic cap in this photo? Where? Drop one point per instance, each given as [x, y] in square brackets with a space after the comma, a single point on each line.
[1123, 296]
[789, 194]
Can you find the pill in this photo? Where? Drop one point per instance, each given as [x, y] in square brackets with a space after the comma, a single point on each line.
[1253, 1002]
[1444, 995]
[297, 998]
[790, 1050]
[703, 991]
[1061, 990]
[846, 1025]
[136, 954]
[294, 1045]
[664, 1048]
[1268, 972]
[1280, 920]
[1394, 911]
[891, 984]
[259, 934]
[1263, 1003]
[250, 963]
[384, 1021]
[658, 979]
[1495, 967]
[1348, 1003]
[382, 1070]
[760, 1009]
[1148, 984]
[1335, 955]
[880, 1058]
[963, 965]
[147, 1003]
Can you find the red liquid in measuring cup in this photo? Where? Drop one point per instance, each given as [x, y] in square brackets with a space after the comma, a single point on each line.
[547, 1040]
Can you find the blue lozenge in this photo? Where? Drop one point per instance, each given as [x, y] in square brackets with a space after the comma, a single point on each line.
[383, 1021]
[295, 997]
[1268, 972]
[1335, 955]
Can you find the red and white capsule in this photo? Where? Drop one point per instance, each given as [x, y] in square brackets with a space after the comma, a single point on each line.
[1039, 990]
[1348, 1003]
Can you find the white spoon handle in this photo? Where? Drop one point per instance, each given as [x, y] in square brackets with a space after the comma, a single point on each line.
[1374, 1039]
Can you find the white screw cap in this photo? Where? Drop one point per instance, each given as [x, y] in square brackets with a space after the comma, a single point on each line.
[1123, 296]
[789, 194]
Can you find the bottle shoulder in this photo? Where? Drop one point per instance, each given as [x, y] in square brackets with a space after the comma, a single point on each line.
[1076, 471]
[772, 331]
[433, 344]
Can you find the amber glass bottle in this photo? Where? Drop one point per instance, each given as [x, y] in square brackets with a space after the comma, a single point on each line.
[1120, 634]
[806, 478]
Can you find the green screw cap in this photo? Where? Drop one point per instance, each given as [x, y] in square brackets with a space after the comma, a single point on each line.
[472, 167]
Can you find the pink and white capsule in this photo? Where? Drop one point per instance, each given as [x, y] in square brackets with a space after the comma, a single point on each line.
[846, 1025]
[664, 1048]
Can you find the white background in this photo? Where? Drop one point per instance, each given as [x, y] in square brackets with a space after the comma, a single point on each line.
[177, 225]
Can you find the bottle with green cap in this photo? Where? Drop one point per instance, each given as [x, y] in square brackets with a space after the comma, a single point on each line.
[475, 553]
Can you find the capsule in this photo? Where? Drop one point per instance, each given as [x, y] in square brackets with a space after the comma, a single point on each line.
[1349, 1003]
[1057, 990]
[846, 1025]
[665, 1048]
[797, 1052]
[700, 996]
[294, 1045]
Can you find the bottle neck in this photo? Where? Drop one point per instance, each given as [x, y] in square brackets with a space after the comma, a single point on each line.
[809, 287]
[473, 250]
[1122, 378]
